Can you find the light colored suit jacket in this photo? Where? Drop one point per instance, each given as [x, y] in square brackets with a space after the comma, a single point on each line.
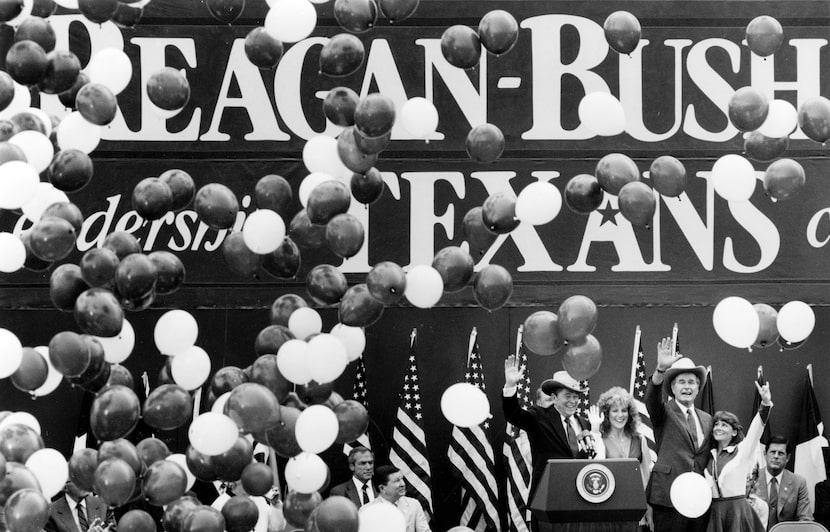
[62, 518]
[413, 514]
[793, 497]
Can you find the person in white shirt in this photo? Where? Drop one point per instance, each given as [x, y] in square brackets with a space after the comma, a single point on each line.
[392, 490]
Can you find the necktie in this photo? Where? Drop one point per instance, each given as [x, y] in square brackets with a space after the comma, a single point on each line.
[690, 424]
[571, 437]
[83, 524]
[773, 503]
[365, 494]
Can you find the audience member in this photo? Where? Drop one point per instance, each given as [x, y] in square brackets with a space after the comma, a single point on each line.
[784, 492]
[77, 510]
[391, 488]
[358, 488]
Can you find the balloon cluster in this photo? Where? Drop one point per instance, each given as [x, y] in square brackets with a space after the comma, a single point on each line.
[497, 32]
[743, 325]
[546, 333]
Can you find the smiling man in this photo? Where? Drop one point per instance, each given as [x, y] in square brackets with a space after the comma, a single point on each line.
[682, 434]
[392, 490]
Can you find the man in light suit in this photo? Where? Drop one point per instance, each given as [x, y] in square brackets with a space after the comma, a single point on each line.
[682, 433]
[359, 489]
[392, 490]
[792, 502]
[77, 510]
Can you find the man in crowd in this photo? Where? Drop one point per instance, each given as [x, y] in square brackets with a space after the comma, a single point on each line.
[358, 488]
[392, 490]
[76, 510]
[682, 435]
[785, 492]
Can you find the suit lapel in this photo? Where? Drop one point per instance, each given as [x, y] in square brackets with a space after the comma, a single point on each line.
[681, 419]
[63, 514]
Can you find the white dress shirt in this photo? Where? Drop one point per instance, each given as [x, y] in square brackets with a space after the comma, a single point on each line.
[369, 491]
[698, 428]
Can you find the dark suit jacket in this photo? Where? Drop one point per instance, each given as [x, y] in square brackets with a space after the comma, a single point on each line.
[545, 432]
[677, 452]
[793, 498]
[349, 490]
[61, 518]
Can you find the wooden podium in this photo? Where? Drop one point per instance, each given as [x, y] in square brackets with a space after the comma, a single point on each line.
[578, 491]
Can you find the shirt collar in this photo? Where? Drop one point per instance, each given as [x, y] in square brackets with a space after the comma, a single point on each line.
[777, 477]
[359, 483]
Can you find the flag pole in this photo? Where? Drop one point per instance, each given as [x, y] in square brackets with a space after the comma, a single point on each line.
[473, 335]
[635, 352]
[519, 339]
[674, 339]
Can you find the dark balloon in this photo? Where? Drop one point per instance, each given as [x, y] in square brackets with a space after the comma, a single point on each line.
[114, 413]
[136, 521]
[182, 188]
[228, 466]
[350, 153]
[98, 11]
[68, 211]
[485, 143]
[583, 359]
[8, 10]
[498, 214]
[371, 145]
[498, 31]
[69, 353]
[82, 465]
[359, 308]
[257, 479]
[748, 108]
[152, 198]
[6, 93]
[344, 235]
[541, 333]
[340, 105]
[67, 97]
[455, 266]
[114, 481]
[62, 69]
[298, 507]
[637, 203]
[784, 179]
[164, 482]
[386, 282]
[814, 118]
[43, 8]
[353, 420]
[764, 35]
[26, 62]
[397, 10]
[17, 477]
[336, 514]
[35, 264]
[761, 148]
[273, 192]
[27, 510]
[240, 513]
[367, 187]
[622, 31]
[52, 238]
[127, 16]
[306, 234]
[283, 306]
[19, 442]
[226, 379]
[668, 175]
[168, 407]
[264, 371]
[342, 55]
[356, 16]
[123, 450]
[577, 318]
[253, 407]
[199, 464]
[492, 287]
[239, 258]
[36, 29]
[284, 262]
[270, 339]
[281, 436]
[168, 89]
[217, 206]
[122, 243]
[461, 46]
[204, 519]
[768, 330]
[97, 312]
[65, 285]
[177, 511]
[374, 115]
[327, 200]
[32, 372]
[261, 49]
[225, 11]
[170, 271]
[96, 103]
[98, 267]
[616, 170]
[121, 375]
[11, 152]
[151, 450]
[475, 232]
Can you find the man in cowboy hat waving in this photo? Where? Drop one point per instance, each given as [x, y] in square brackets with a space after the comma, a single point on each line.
[682, 434]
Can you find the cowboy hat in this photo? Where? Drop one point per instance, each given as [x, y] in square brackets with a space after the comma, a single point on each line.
[683, 365]
[561, 379]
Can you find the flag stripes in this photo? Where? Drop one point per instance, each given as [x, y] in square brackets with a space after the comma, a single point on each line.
[359, 394]
[639, 381]
[516, 451]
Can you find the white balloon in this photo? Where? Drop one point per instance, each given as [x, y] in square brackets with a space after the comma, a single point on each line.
[316, 429]
[465, 405]
[354, 338]
[782, 119]
[21, 101]
[53, 378]
[76, 133]
[292, 361]
[309, 183]
[419, 116]
[46, 195]
[795, 321]
[190, 368]
[291, 20]
[264, 231]
[12, 253]
[181, 459]
[327, 358]
[50, 469]
[424, 286]
[175, 331]
[212, 433]
[690, 494]
[381, 518]
[538, 203]
[304, 322]
[112, 68]
[736, 322]
[12, 351]
[37, 147]
[320, 155]
[733, 178]
[119, 347]
[21, 418]
[306, 473]
[602, 113]
[219, 404]
[18, 184]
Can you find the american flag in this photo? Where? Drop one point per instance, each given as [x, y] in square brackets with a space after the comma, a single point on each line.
[517, 457]
[471, 455]
[409, 445]
[359, 395]
[584, 399]
[639, 381]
